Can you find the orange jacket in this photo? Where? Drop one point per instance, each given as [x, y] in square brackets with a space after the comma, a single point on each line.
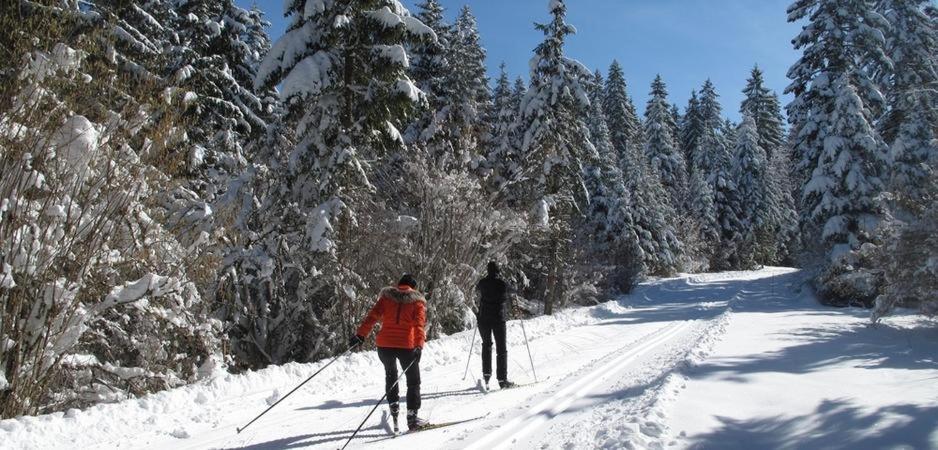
[403, 314]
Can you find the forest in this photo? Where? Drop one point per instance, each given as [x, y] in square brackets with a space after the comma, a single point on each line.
[182, 195]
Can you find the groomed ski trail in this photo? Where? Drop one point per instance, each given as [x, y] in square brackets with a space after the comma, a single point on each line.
[618, 359]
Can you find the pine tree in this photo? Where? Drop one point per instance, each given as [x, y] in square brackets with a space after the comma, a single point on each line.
[433, 129]
[623, 123]
[469, 85]
[691, 128]
[554, 143]
[762, 104]
[838, 150]
[677, 119]
[911, 122]
[702, 209]
[750, 168]
[608, 221]
[712, 158]
[343, 72]
[661, 150]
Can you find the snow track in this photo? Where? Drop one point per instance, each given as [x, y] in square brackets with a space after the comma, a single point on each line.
[660, 368]
[580, 386]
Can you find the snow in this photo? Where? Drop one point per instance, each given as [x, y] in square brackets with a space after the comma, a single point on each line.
[417, 28]
[409, 90]
[308, 77]
[395, 54]
[77, 140]
[386, 17]
[729, 360]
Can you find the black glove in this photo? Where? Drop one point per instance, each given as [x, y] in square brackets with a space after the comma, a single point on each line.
[417, 351]
[355, 341]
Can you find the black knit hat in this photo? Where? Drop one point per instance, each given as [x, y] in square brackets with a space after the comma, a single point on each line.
[408, 280]
[493, 268]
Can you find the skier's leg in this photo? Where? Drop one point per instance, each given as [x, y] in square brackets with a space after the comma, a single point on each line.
[501, 352]
[411, 361]
[388, 358]
[413, 379]
[485, 332]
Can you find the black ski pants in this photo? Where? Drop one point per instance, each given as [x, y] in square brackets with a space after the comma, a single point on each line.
[488, 330]
[390, 357]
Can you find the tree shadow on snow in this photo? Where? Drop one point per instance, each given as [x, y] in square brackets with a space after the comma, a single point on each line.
[835, 424]
[816, 349]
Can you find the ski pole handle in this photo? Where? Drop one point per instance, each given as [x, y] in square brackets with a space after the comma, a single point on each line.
[295, 389]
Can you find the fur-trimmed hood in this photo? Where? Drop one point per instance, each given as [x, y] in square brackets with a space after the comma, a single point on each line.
[402, 296]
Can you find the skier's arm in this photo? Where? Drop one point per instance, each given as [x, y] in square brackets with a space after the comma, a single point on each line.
[372, 318]
[421, 335]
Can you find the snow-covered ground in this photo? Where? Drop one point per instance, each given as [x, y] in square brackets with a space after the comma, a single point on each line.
[731, 360]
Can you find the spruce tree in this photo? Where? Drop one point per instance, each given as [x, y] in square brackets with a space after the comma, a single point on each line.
[911, 122]
[762, 104]
[711, 156]
[555, 142]
[839, 152]
[661, 150]
[342, 69]
[469, 85]
[611, 244]
[691, 128]
[623, 123]
[750, 170]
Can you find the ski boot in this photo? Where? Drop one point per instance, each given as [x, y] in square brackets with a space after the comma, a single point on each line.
[486, 377]
[395, 409]
[415, 423]
[505, 384]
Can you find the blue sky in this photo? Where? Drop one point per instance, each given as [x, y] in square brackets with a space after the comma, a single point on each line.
[686, 41]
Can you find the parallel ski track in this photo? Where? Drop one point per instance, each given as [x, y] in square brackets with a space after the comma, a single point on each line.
[560, 401]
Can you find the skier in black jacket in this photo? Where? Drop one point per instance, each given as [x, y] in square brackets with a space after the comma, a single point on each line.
[493, 312]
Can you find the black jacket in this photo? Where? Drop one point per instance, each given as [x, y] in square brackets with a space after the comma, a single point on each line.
[493, 299]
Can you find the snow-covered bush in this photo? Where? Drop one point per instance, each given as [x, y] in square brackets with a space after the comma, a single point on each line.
[82, 238]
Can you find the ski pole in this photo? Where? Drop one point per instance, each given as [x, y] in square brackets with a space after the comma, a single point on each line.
[396, 382]
[529, 349]
[295, 389]
[469, 358]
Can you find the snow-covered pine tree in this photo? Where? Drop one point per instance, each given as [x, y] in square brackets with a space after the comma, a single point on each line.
[433, 130]
[469, 84]
[908, 256]
[624, 125]
[750, 167]
[840, 153]
[711, 156]
[661, 150]
[762, 104]
[691, 128]
[343, 71]
[911, 121]
[555, 143]
[909, 128]
[652, 218]
[701, 207]
[501, 160]
[677, 120]
[776, 235]
[611, 246]
[784, 231]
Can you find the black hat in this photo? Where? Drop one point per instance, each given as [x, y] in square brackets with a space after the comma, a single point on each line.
[493, 267]
[408, 280]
